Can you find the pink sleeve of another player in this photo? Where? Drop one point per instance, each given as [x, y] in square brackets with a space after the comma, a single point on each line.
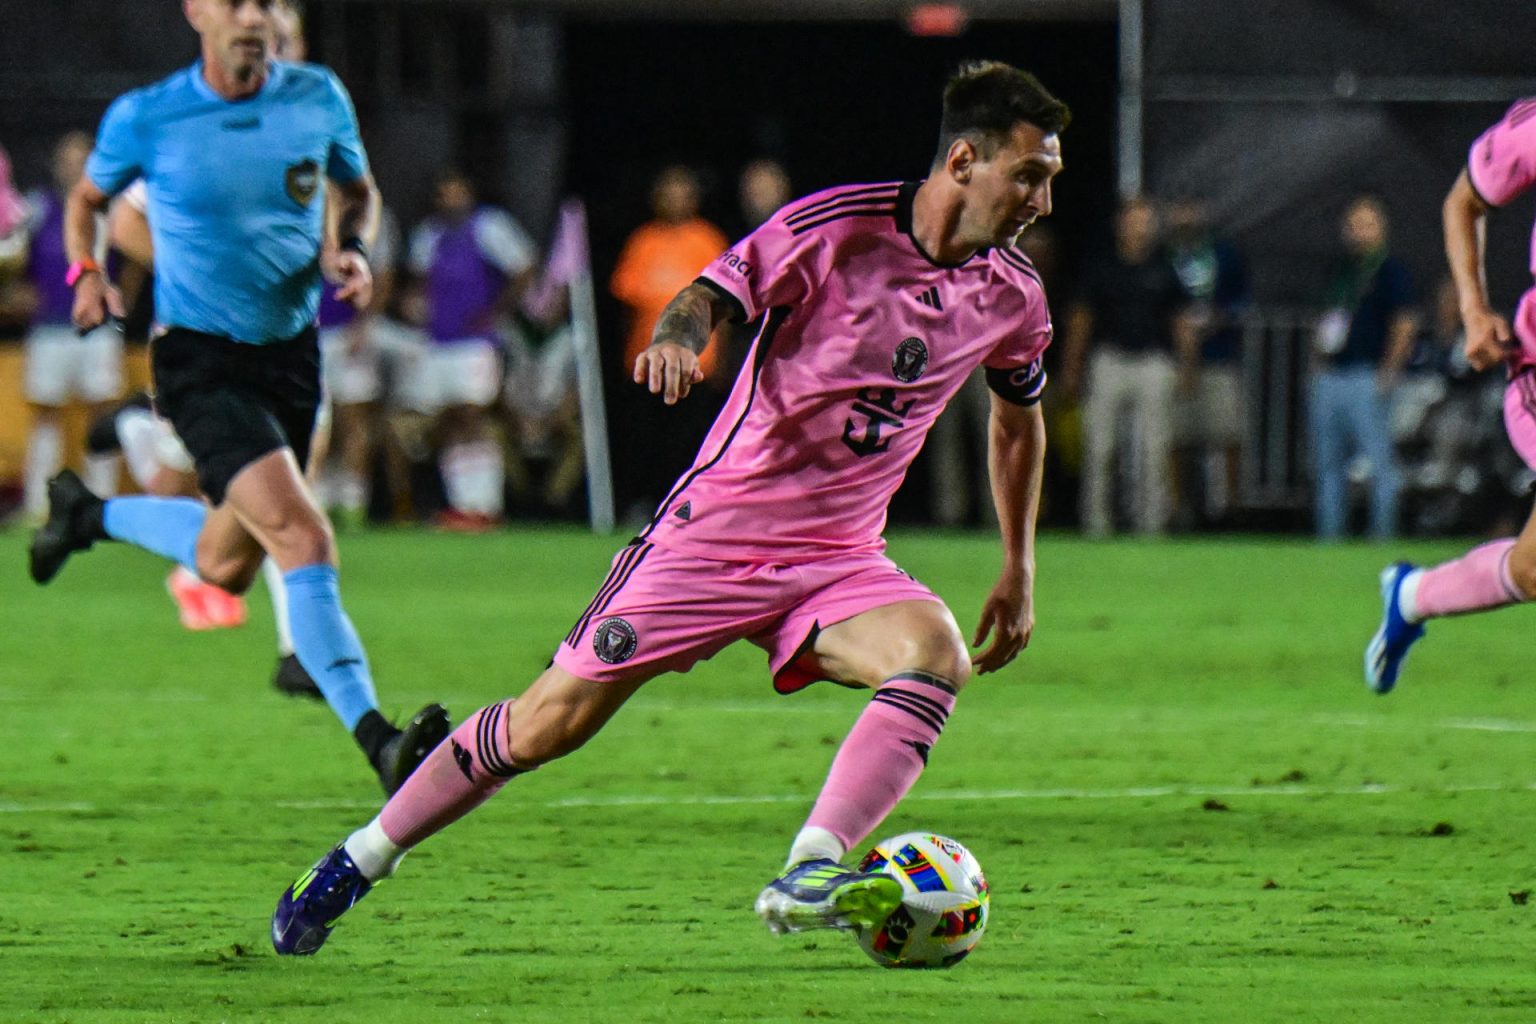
[1502, 162]
[773, 266]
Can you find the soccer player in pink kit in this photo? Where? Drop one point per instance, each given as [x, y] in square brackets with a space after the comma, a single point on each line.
[877, 302]
[1500, 166]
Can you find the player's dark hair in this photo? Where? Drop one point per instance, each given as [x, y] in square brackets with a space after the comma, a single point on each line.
[985, 99]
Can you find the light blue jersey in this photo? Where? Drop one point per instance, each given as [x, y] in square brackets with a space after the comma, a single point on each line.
[236, 193]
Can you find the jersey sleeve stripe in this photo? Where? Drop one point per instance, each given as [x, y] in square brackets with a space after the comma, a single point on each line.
[888, 209]
[1021, 263]
[811, 209]
[1013, 256]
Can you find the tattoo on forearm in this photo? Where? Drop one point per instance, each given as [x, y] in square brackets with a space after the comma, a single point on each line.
[685, 321]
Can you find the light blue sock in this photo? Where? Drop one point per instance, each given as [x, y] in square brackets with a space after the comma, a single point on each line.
[326, 644]
[166, 526]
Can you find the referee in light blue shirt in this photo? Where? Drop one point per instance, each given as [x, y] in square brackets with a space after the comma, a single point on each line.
[235, 151]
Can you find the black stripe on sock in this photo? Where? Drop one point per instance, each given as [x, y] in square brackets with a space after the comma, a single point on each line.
[918, 700]
[926, 678]
[485, 735]
[916, 710]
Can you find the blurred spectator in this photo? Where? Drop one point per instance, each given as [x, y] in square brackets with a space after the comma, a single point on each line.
[1362, 342]
[542, 400]
[475, 262]
[14, 299]
[61, 365]
[1063, 414]
[663, 256]
[763, 188]
[660, 258]
[1459, 471]
[1211, 414]
[13, 223]
[1123, 326]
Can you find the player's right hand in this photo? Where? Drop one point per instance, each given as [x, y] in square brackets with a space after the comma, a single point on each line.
[95, 300]
[1489, 339]
[669, 370]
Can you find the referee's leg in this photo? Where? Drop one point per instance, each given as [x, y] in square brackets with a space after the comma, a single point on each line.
[268, 501]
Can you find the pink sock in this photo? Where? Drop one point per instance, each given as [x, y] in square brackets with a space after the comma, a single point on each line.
[883, 755]
[1477, 580]
[461, 774]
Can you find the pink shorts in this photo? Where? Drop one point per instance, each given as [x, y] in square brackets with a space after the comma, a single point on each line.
[663, 611]
[1520, 414]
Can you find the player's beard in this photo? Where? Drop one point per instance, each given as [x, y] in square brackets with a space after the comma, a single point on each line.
[247, 62]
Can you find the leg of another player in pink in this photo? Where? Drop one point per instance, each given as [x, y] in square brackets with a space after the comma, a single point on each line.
[882, 756]
[1476, 581]
[461, 774]
[1481, 578]
[203, 605]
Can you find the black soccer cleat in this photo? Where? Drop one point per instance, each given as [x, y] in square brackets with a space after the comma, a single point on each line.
[291, 679]
[74, 524]
[405, 751]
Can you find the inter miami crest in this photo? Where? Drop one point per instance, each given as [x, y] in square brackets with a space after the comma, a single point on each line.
[302, 181]
[910, 360]
[615, 641]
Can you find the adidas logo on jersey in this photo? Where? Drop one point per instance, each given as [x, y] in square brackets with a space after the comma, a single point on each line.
[930, 298]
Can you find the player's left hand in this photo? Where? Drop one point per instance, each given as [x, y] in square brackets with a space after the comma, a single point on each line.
[669, 370]
[1008, 616]
[348, 269]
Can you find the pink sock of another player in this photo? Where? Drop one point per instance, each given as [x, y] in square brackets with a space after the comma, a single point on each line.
[461, 774]
[1476, 581]
[883, 755]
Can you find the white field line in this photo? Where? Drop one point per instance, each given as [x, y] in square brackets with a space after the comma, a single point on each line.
[1064, 793]
[780, 706]
[1355, 721]
[1489, 725]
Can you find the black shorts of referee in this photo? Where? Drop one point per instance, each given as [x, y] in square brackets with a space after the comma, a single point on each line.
[232, 402]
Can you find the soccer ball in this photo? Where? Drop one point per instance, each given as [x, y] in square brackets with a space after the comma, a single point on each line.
[944, 910]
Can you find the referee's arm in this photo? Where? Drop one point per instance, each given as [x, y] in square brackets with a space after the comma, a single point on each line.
[348, 234]
[95, 298]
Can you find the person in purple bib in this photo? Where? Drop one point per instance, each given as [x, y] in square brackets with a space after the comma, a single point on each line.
[474, 262]
[62, 364]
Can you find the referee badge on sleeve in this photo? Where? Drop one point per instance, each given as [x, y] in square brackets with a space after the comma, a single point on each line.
[303, 181]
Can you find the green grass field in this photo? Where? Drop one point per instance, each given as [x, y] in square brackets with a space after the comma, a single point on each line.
[1188, 806]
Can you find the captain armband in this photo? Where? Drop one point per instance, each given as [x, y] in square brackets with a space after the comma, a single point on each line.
[1021, 385]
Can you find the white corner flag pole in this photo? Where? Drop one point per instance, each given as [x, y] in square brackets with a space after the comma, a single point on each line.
[589, 371]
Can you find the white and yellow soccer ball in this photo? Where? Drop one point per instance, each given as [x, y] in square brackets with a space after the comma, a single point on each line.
[943, 911]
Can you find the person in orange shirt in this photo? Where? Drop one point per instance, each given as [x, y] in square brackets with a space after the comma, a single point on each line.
[662, 257]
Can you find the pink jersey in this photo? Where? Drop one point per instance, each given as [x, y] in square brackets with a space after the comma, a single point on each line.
[864, 340]
[1502, 165]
